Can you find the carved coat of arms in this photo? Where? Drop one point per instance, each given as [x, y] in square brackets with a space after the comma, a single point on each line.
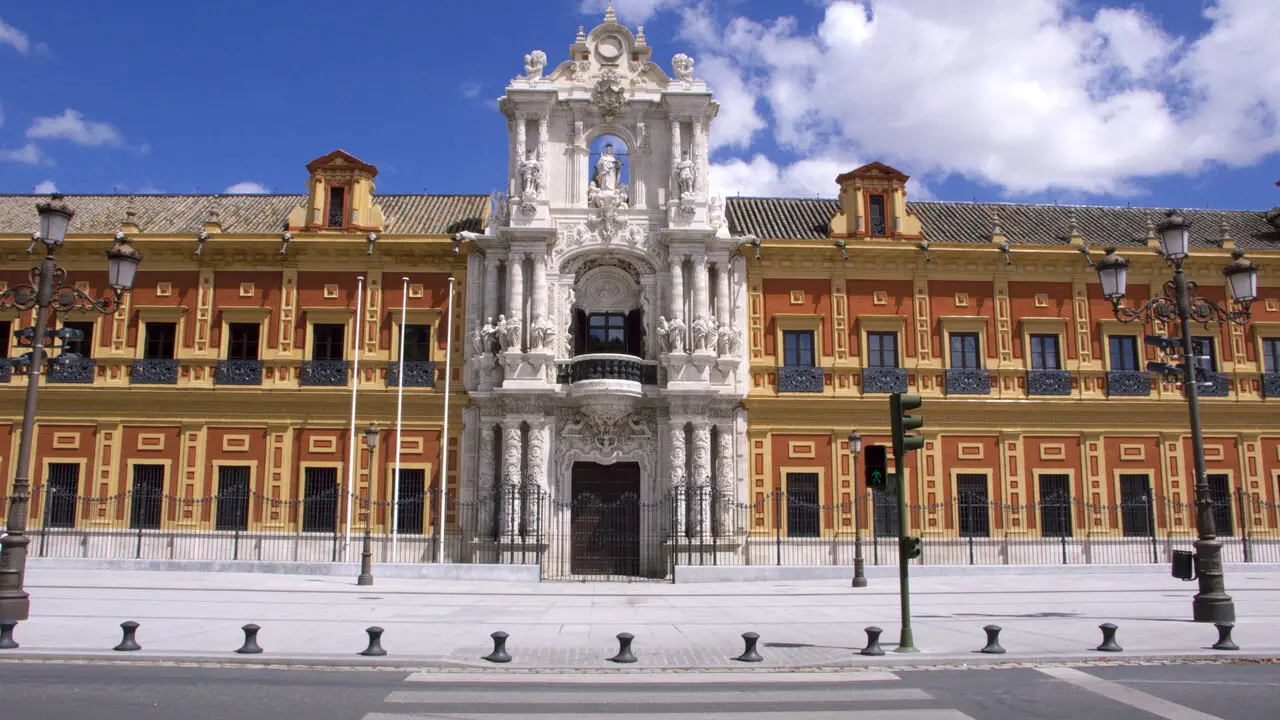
[609, 94]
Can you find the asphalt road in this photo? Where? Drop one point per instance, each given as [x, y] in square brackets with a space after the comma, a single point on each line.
[39, 691]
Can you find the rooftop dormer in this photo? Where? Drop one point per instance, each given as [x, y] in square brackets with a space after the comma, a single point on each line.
[340, 196]
[873, 204]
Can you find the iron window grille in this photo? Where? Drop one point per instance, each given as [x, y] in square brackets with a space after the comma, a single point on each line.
[1135, 507]
[878, 222]
[973, 505]
[1055, 506]
[1220, 493]
[233, 498]
[320, 500]
[148, 497]
[411, 502]
[802, 505]
[884, 506]
[62, 489]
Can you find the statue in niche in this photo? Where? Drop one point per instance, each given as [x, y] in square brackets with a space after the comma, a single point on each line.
[534, 63]
[608, 171]
[683, 66]
[685, 178]
[531, 175]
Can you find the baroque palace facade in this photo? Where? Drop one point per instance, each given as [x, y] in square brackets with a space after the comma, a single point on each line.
[621, 332]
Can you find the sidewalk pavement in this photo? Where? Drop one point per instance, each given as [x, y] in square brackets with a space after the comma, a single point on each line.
[314, 620]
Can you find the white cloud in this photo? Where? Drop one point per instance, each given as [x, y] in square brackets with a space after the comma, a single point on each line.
[470, 89]
[46, 187]
[12, 36]
[71, 125]
[1026, 95]
[812, 177]
[29, 154]
[630, 11]
[1, 116]
[247, 188]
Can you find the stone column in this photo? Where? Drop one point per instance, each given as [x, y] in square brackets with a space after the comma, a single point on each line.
[511, 477]
[723, 317]
[534, 500]
[490, 304]
[515, 298]
[701, 310]
[725, 490]
[674, 188]
[677, 286]
[543, 120]
[522, 142]
[699, 150]
[487, 482]
[539, 302]
[701, 480]
[679, 490]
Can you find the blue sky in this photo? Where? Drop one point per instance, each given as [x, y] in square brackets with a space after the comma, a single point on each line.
[1171, 104]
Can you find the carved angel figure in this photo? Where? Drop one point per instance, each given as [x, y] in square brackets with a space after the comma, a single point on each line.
[534, 63]
[683, 66]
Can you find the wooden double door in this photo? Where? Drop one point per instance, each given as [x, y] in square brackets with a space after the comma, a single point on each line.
[605, 519]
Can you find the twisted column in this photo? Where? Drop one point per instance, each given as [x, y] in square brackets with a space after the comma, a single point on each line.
[678, 480]
[511, 453]
[701, 480]
[725, 495]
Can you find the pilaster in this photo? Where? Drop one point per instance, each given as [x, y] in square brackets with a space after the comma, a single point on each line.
[1174, 483]
[1093, 463]
[191, 462]
[278, 474]
[288, 311]
[204, 313]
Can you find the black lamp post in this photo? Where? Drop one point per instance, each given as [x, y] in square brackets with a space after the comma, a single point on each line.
[855, 447]
[1180, 303]
[47, 292]
[366, 553]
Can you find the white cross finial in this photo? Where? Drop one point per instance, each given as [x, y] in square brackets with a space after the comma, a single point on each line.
[610, 17]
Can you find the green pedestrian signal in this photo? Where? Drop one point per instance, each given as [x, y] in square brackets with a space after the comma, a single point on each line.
[911, 547]
[901, 422]
[876, 466]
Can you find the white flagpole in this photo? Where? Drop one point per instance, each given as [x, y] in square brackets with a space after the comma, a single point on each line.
[355, 385]
[395, 498]
[444, 439]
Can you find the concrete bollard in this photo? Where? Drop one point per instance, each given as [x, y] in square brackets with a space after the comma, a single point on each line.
[873, 642]
[1224, 637]
[499, 654]
[375, 643]
[749, 654]
[250, 646]
[129, 642]
[624, 649]
[6, 634]
[1109, 638]
[993, 640]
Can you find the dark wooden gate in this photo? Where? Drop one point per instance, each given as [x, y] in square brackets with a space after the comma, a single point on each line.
[605, 519]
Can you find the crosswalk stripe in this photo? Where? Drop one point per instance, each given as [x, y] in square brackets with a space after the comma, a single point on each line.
[744, 677]
[685, 696]
[785, 715]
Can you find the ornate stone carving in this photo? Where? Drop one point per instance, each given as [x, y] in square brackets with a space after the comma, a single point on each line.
[538, 453]
[511, 452]
[683, 66]
[531, 183]
[498, 210]
[609, 94]
[606, 434]
[607, 220]
[607, 289]
[715, 212]
[581, 71]
[534, 63]
[685, 178]
[542, 334]
[507, 332]
[486, 460]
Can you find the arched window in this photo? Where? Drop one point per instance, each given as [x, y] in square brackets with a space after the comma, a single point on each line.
[616, 170]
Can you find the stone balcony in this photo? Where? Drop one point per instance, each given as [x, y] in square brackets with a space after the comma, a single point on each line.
[607, 374]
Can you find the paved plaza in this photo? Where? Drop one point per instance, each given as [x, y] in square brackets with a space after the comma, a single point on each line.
[437, 623]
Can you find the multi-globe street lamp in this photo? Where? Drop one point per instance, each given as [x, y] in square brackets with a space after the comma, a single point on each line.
[859, 578]
[47, 293]
[1180, 303]
[366, 552]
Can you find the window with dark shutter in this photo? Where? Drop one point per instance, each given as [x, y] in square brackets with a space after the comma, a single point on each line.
[148, 497]
[635, 332]
[337, 206]
[326, 341]
[1055, 505]
[882, 349]
[964, 351]
[1135, 508]
[242, 341]
[320, 500]
[62, 489]
[233, 498]
[973, 505]
[412, 501]
[84, 346]
[606, 333]
[1271, 355]
[159, 340]
[417, 343]
[878, 225]
[802, 505]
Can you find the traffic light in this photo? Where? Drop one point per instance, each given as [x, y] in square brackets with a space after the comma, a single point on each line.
[911, 547]
[876, 466]
[899, 404]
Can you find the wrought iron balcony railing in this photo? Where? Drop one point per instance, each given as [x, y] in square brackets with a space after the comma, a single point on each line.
[1271, 385]
[1048, 382]
[1128, 383]
[800, 379]
[239, 372]
[154, 371]
[601, 366]
[6, 370]
[325, 373]
[80, 372]
[968, 381]
[884, 380]
[417, 373]
[1213, 384]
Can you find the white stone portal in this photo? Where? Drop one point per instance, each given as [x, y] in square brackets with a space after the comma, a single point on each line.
[609, 322]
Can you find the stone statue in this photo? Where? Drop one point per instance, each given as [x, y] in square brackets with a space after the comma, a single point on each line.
[705, 332]
[480, 338]
[541, 335]
[608, 170]
[683, 66]
[509, 333]
[730, 342]
[674, 335]
[534, 63]
[664, 335]
[531, 176]
[685, 178]
[499, 331]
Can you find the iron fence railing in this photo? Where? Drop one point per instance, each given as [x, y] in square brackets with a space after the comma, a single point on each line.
[627, 537]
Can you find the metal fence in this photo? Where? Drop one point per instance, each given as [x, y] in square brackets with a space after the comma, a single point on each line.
[625, 538]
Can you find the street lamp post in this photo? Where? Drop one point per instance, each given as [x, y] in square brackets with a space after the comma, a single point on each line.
[855, 447]
[1181, 303]
[46, 293]
[366, 553]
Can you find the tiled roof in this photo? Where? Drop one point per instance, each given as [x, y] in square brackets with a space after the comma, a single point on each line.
[404, 214]
[807, 219]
